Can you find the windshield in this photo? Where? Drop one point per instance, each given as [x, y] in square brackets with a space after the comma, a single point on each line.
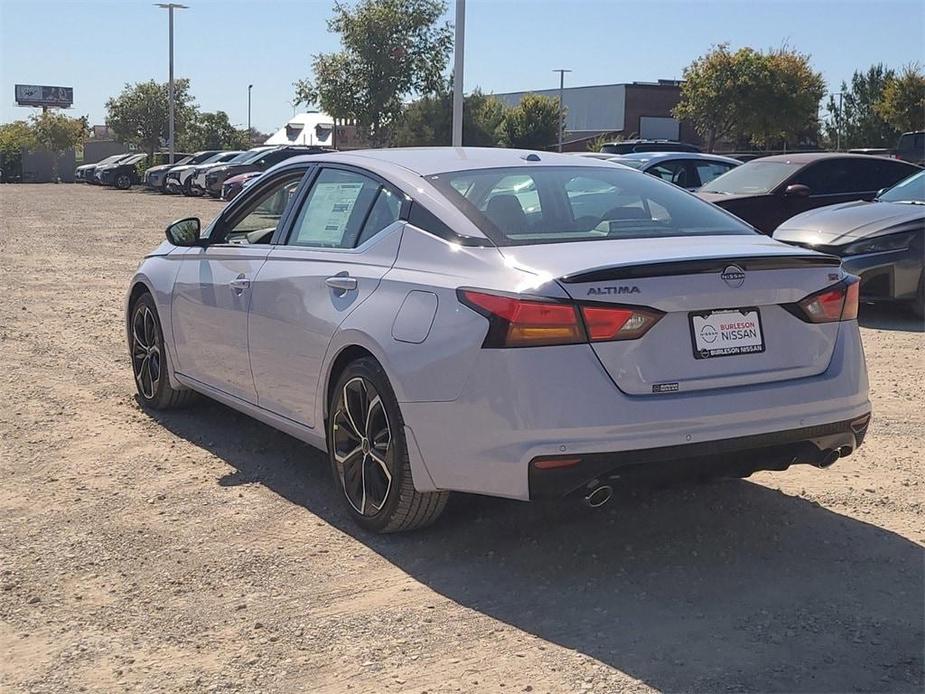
[533, 205]
[240, 157]
[218, 156]
[910, 189]
[753, 177]
[632, 163]
[254, 156]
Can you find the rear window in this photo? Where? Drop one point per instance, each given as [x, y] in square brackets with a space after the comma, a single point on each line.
[534, 205]
[755, 177]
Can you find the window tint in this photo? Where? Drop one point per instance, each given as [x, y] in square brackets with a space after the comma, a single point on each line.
[911, 189]
[578, 204]
[708, 170]
[260, 217]
[753, 178]
[384, 212]
[671, 171]
[848, 176]
[335, 212]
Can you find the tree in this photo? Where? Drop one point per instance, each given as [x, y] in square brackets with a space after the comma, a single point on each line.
[14, 138]
[532, 124]
[903, 101]
[139, 115]
[213, 131]
[855, 121]
[428, 121]
[392, 49]
[763, 98]
[58, 133]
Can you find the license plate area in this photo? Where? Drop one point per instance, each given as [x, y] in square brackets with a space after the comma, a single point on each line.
[726, 332]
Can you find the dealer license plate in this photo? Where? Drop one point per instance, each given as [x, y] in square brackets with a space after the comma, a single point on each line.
[726, 333]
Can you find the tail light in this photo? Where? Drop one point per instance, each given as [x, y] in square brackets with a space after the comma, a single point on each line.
[835, 303]
[535, 322]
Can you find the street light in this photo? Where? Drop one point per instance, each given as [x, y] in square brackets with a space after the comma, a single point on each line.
[561, 72]
[838, 121]
[458, 51]
[170, 7]
[249, 87]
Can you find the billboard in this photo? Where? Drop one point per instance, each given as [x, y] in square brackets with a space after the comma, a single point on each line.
[41, 95]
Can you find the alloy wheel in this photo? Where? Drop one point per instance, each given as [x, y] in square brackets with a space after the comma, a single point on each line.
[146, 355]
[361, 438]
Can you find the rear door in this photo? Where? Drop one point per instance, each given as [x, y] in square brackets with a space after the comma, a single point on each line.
[343, 238]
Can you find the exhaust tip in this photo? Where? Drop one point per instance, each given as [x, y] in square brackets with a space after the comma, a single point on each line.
[599, 496]
[828, 458]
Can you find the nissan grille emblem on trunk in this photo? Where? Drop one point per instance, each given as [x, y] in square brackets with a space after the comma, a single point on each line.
[733, 275]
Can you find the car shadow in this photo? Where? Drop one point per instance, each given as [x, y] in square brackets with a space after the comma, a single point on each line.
[730, 586]
[889, 317]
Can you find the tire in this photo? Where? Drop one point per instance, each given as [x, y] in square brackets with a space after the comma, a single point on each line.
[123, 182]
[187, 188]
[147, 354]
[371, 467]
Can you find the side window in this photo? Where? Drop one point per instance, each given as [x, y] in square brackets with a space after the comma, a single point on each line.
[671, 171]
[708, 170]
[336, 211]
[386, 210]
[260, 216]
[825, 177]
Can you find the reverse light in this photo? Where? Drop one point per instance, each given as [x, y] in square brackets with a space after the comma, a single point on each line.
[835, 303]
[534, 322]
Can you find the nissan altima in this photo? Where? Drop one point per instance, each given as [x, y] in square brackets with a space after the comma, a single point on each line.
[519, 324]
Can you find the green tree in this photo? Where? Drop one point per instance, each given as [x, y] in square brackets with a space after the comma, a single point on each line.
[139, 115]
[212, 131]
[763, 98]
[532, 124]
[858, 123]
[903, 101]
[392, 49]
[428, 121]
[14, 138]
[58, 133]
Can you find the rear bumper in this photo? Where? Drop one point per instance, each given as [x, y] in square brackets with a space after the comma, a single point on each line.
[520, 405]
[888, 276]
[738, 457]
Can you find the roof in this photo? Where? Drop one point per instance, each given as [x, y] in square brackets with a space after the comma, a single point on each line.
[809, 157]
[654, 157]
[310, 128]
[426, 161]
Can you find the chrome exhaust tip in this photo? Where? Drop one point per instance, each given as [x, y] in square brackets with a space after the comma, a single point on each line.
[828, 458]
[599, 496]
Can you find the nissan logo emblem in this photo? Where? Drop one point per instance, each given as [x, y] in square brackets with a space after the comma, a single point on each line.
[734, 276]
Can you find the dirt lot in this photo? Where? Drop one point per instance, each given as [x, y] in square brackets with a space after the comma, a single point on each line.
[202, 551]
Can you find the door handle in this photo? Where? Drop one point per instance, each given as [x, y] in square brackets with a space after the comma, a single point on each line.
[239, 284]
[342, 282]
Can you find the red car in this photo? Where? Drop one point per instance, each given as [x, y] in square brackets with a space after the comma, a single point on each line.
[234, 185]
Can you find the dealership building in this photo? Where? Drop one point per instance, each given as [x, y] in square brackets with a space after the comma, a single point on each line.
[633, 109]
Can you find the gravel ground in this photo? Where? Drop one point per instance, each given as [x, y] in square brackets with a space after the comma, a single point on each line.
[202, 551]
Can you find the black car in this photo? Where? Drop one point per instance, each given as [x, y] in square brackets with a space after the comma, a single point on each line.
[767, 191]
[263, 159]
[883, 242]
[630, 146]
[86, 172]
[122, 175]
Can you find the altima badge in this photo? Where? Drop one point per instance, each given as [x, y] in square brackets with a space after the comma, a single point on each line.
[734, 276]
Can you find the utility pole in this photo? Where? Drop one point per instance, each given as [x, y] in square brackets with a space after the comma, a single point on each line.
[170, 7]
[249, 87]
[838, 123]
[561, 72]
[458, 55]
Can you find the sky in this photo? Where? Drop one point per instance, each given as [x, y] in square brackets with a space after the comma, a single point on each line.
[97, 46]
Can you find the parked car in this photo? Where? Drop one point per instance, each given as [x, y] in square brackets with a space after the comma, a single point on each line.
[630, 146]
[767, 191]
[179, 178]
[123, 174]
[685, 169]
[260, 161]
[86, 172]
[197, 182]
[881, 241]
[91, 173]
[400, 309]
[234, 185]
[155, 177]
[911, 147]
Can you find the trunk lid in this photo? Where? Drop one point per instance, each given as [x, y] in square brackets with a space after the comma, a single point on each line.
[706, 286]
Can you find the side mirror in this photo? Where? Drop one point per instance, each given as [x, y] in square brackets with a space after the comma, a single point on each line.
[797, 190]
[184, 232]
[880, 192]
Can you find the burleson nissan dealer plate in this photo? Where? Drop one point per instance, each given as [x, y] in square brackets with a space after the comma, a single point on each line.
[726, 332]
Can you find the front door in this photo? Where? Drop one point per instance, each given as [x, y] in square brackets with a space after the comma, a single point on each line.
[344, 238]
[213, 288]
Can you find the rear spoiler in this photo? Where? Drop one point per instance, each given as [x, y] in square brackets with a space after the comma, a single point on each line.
[701, 266]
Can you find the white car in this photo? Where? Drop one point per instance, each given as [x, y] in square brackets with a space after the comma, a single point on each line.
[503, 322]
[180, 178]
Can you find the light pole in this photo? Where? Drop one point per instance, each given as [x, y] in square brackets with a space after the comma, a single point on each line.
[458, 51]
[170, 7]
[249, 87]
[838, 123]
[561, 72]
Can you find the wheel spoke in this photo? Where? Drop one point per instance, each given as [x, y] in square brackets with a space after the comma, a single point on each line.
[351, 418]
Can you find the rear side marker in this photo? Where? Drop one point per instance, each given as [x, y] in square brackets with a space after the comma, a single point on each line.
[535, 321]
